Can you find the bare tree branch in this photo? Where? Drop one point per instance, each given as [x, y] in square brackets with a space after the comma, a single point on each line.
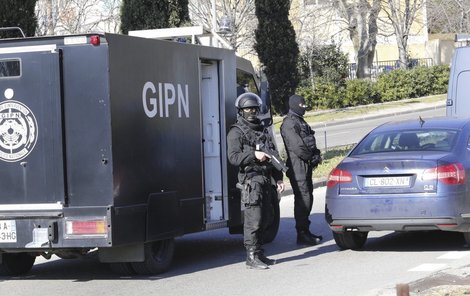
[240, 12]
[403, 15]
[77, 16]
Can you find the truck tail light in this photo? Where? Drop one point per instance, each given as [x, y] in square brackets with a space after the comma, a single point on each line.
[86, 227]
[338, 176]
[95, 40]
[450, 174]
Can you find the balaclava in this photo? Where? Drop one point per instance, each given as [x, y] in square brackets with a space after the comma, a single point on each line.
[297, 105]
[251, 116]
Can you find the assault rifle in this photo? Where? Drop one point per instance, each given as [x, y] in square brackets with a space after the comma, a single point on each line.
[273, 156]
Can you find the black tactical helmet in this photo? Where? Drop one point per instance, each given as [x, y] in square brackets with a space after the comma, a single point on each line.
[248, 100]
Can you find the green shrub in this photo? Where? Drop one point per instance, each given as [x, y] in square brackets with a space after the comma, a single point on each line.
[441, 79]
[325, 62]
[359, 92]
[392, 86]
[325, 95]
[328, 96]
[422, 80]
[307, 93]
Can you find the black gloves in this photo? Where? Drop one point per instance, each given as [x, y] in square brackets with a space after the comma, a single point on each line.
[316, 159]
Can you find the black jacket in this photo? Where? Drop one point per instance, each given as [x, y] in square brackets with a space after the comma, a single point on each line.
[241, 147]
[301, 147]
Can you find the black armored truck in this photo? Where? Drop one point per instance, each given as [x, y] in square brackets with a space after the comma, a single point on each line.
[115, 144]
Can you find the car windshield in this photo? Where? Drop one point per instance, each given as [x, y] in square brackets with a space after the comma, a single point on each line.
[406, 140]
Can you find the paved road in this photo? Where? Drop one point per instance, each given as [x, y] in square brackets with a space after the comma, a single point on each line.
[212, 263]
[350, 130]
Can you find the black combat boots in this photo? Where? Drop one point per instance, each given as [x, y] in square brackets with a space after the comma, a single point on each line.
[253, 261]
[305, 237]
[265, 259]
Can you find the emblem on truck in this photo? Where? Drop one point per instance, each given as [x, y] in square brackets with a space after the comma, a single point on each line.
[18, 131]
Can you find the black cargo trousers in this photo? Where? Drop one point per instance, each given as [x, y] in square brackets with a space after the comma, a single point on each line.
[303, 198]
[257, 197]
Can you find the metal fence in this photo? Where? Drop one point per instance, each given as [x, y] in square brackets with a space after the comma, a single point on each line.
[387, 66]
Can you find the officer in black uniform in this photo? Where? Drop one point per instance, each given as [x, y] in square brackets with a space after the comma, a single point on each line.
[302, 157]
[256, 176]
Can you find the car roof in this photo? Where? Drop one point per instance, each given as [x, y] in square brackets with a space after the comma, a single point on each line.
[419, 123]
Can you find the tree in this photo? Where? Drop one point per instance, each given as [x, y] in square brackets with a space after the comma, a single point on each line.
[315, 24]
[277, 50]
[178, 13]
[150, 14]
[77, 16]
[325, 63]
[21, 14]
[144, 14]
[448, 16]
[240, 13]
[361, 17]
[402, 14]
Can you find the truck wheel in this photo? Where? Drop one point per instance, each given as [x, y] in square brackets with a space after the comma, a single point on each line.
[122, 268]
[271, 232]
[350, 240]
[16, 263]
[158, 257]
[466, 236]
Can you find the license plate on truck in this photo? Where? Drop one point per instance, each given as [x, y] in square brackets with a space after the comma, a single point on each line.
[7, 231]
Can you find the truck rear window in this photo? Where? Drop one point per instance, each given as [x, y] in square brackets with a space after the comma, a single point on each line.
[10, 68]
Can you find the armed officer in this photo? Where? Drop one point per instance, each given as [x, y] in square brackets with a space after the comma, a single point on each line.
[257, 176]
[302, 157]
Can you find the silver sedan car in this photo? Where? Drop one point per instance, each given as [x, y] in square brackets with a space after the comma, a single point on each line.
[402, 176]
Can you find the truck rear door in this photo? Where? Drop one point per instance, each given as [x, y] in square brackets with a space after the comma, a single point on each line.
[31, 137]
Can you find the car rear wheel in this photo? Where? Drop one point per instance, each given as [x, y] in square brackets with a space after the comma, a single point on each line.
[350, 240]
[16, 263]
[158, 257]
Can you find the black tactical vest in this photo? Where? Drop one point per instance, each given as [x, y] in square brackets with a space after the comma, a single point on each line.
[250, 139]
[306, 133]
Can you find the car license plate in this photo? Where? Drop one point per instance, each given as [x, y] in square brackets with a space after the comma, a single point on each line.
[7, 231]
[387, 182]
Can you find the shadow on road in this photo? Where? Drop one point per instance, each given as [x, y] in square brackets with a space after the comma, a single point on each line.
[213, 249]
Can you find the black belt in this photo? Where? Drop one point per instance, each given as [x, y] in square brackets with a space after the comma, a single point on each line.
[253, 174]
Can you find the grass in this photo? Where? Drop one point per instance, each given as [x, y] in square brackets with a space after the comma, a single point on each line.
[331, 158]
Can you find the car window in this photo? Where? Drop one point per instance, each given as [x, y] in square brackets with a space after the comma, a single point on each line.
[407, 140]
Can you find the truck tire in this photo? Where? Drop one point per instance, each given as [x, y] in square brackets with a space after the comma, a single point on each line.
[466, 237]
[270, 233]
[122, 268]
[16, 263]
[350, 240]
[158, 257]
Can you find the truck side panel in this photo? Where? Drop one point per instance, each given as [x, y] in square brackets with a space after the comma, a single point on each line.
[156, 132]
[87, 125]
